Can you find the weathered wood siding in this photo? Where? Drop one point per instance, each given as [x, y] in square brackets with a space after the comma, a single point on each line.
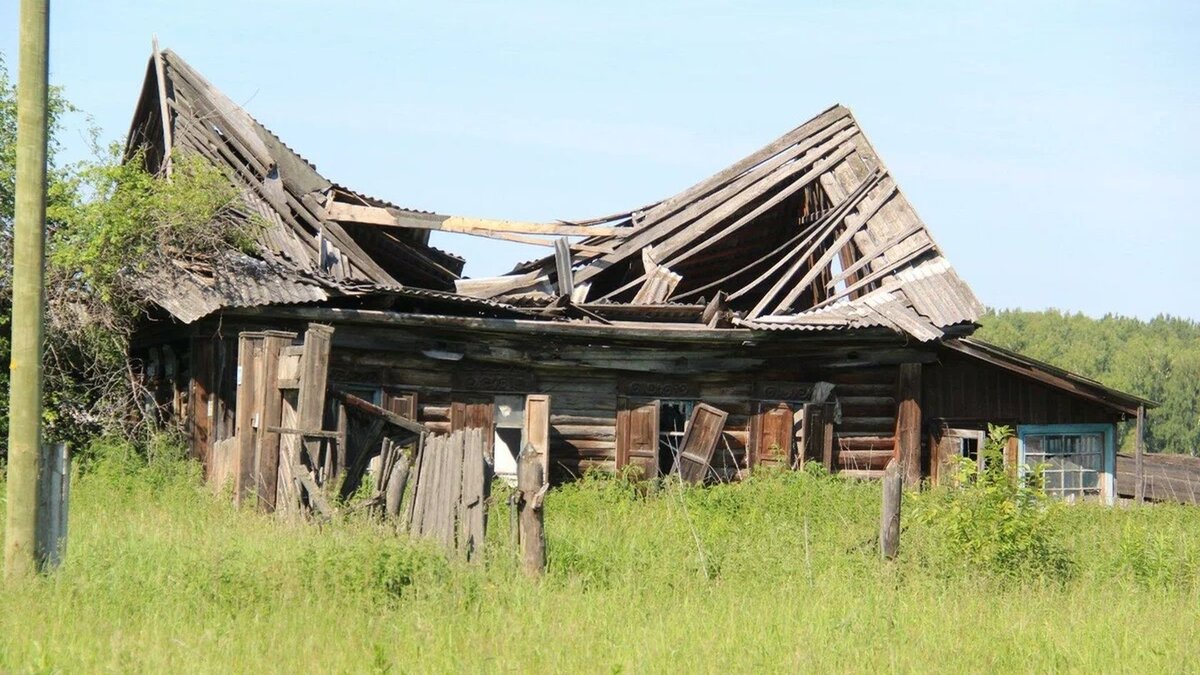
[589, 385]
[963, 389]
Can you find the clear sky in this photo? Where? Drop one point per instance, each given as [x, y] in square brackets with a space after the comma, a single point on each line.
[1051, 147]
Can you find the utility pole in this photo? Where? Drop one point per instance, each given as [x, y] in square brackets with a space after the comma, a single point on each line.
[29, 231]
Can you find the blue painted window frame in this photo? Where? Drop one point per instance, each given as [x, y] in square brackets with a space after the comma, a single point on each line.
[1108, 479]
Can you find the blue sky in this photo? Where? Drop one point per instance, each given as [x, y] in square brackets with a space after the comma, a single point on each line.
[1050, 147]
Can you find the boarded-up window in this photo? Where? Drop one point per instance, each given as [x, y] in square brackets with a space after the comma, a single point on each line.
[637, 436]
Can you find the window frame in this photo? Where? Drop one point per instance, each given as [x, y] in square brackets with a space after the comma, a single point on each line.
[1108, 433]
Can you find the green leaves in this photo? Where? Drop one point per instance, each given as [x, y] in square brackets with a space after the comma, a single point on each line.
[993, 521]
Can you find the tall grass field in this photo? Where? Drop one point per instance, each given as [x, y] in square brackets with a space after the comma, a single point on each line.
[777, 573]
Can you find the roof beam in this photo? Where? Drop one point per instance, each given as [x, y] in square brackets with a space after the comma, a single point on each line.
[376, 215]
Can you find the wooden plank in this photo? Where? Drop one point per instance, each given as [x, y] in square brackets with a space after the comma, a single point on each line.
[699, 441]
[562, 262]
[537, 428]
[364, 407]
[164, 112]
[201, 404]
[271, 410]
[908, 422]
[248, 413]
[387, 217]
[889, 520]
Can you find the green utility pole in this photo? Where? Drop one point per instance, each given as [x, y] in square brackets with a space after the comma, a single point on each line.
[29, 231]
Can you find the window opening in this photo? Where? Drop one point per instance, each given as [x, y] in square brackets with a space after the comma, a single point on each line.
[509, 436]
[673, 416]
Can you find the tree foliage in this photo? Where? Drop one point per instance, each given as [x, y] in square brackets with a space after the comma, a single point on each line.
[1157, 359]
[108, 219]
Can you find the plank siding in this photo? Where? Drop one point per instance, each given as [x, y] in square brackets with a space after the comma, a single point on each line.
[965, 390]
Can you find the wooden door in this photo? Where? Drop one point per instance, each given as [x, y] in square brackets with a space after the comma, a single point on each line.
[699, 441]
[637, 436]
[772, 435]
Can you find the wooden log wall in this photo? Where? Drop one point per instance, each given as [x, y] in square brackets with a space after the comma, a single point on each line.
[865, 439]
[586, 384]
[583, 422]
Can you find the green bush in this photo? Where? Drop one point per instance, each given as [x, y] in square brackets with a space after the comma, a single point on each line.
[995, 521]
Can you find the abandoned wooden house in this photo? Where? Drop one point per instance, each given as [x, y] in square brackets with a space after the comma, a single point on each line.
[791, 308]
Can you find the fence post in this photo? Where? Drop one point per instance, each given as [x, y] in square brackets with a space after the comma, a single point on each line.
[532, 489]
[889, 521]
[1139, 490]
[54, 489]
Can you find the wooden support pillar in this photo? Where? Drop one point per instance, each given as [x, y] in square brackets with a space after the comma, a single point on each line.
[532, 487]
[1139, 490]
[908, 423]
[248, 414]
[266, 478]
[889, 519]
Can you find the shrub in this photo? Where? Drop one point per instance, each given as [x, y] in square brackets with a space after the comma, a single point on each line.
[994, 521]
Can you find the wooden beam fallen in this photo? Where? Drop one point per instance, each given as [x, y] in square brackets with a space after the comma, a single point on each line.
[375, 215]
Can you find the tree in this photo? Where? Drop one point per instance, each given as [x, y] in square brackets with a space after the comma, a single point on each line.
[1157, 359]
[108, 219]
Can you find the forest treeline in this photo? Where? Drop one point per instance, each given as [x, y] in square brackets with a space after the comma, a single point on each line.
[1157, 359]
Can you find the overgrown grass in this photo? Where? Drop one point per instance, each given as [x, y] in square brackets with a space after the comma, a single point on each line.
[777, 573]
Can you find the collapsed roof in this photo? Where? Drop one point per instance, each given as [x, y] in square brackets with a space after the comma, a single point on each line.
[809, 233]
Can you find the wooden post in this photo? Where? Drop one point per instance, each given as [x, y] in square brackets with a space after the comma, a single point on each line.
[889, 519]
[396, 484]
[54, 490]
[531, 485]
[1139, 490]
[908, 423]
[28, 290]
[266, 478]
[248, 415]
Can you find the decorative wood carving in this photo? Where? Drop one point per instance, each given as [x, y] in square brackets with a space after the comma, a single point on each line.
[495, 381]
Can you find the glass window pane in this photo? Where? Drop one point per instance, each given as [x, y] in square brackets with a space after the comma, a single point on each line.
[1033, 445]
